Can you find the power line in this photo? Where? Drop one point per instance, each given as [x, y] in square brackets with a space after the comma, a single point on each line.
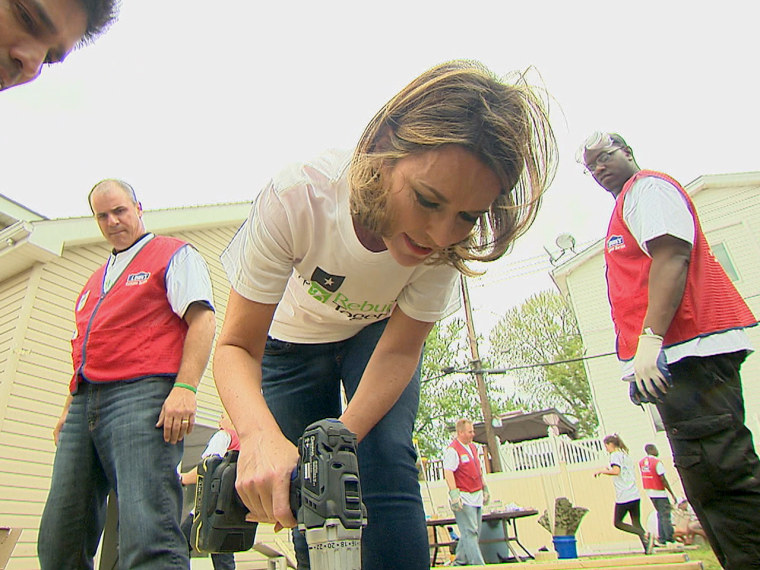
[452, 370]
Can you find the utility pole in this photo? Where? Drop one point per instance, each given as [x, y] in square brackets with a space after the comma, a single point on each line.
[485, 404]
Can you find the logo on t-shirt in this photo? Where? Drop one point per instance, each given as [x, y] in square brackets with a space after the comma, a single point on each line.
[324, 288]
[615, 242]
[137, 278]
[324, 284]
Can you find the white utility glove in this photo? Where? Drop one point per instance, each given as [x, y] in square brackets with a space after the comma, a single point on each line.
[455, 500]
[649, 378]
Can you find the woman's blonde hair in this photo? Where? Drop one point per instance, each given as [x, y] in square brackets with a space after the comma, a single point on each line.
[505, 124]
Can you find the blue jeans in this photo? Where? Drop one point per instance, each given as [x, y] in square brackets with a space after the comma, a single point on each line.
[664, 523]
[468, 548]
[301, 384]
[109, 440]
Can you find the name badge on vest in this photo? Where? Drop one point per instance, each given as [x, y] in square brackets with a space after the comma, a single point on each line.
[464, 458]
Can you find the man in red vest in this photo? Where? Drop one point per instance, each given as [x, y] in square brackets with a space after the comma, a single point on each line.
[40, 32]
[144, 328]
[467, 492]
[655, 484]
[680, 337]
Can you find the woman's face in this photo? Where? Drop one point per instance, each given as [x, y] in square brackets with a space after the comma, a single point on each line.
[435, 199]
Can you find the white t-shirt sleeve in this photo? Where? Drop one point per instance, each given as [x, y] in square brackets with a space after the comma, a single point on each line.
[451, 459]
[259, 259]
[616, 458]
[654, 208]
[431, 296]
[188, 281]
[218, 444]
[660, 469]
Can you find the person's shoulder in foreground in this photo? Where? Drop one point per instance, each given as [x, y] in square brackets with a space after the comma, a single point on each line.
[34, 33]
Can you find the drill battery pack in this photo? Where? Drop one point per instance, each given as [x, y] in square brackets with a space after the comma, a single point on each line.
[325, 497]
[219, 523]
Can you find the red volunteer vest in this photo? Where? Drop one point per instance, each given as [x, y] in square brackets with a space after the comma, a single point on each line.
[130, 332]
[649, 477]
[710, 303]
[467, 476]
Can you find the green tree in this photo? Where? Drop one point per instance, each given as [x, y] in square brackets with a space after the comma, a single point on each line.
[541, 331]
[446, 397]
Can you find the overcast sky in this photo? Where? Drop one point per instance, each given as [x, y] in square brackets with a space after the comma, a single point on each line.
[201, 102]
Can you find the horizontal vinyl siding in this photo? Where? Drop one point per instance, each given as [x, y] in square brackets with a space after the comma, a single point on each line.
[42, 375]
[210, 243]
[12, 294]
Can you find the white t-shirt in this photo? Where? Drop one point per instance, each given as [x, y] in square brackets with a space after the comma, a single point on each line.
[299, 249]
[218, 444]
[653, 207]
[187, 277]
[625, 483]
[451, 463]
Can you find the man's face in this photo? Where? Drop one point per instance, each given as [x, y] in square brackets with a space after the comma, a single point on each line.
[610, 167]
[36, 32]
[119, 219]
[467, 433]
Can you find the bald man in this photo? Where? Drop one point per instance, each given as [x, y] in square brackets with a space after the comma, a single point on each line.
[144, 328]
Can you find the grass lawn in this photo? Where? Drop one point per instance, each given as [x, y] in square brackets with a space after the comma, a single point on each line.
[703, 553]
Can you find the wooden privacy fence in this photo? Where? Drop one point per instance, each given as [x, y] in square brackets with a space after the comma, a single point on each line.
[535, 454]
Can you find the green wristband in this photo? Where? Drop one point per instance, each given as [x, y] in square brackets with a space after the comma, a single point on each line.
[193, 389]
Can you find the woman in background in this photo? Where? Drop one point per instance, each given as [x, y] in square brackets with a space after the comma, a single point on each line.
[627, 497]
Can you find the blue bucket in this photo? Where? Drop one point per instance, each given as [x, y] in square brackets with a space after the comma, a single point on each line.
[565, 546]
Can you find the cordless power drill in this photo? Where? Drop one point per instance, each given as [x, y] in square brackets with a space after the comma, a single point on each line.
[325, 497]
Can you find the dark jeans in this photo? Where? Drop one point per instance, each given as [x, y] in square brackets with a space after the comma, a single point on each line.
[301, 384]
[220, 560]
[713, 451]
[664, 524]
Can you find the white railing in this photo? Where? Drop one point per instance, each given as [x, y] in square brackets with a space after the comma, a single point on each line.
[535, 454]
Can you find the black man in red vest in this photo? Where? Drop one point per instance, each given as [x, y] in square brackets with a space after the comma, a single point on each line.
[680, 326]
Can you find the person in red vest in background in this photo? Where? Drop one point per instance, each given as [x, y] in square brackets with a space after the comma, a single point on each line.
[221, 442]
[467, 492]
[656, 484]
[680, 324]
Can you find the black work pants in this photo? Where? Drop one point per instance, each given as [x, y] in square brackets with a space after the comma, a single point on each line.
[714, 454]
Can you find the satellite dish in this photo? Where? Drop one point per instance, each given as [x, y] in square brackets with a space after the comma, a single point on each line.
[565, 242]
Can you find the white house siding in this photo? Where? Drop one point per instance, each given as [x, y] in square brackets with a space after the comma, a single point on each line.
[15, 476]
[210, 243]
[729, 209]
[12, 294]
